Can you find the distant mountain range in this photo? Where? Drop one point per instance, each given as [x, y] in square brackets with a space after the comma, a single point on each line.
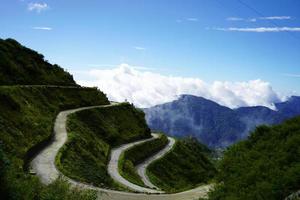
[215, 125]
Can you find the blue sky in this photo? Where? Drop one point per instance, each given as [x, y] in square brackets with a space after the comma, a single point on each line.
[224, 40]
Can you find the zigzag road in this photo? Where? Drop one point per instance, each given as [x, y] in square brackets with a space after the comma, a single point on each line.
[44, 166]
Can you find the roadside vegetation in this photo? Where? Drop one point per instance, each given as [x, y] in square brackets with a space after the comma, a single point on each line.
[265, 166]
[27, 117]
[186, 166]
[91, 135]
[136, 155]
[26, 124]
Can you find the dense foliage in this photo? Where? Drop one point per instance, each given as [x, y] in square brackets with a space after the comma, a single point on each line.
[186, 166]
[22, 66]
[266, 166]
[26, 121]
[92, 133]
[137, 154]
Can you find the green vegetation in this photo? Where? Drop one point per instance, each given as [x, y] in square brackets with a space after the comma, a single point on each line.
[92, 133]
[22, 66]
[185, 167]
[266, 166]
[27, 118]
[61, 189]
[26, 122]
[136, 155]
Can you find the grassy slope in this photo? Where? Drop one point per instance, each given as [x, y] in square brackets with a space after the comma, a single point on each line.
[266, 166]
[136, 155]
[92, 133]
[26, 119]
[20, 65]
[186, 166]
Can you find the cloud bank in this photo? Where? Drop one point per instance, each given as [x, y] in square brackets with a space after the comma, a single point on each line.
[145, 89]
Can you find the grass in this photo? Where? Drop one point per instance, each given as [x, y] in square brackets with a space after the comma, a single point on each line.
[26, 121]
[92, 133]
[184, 167]
[136, 155]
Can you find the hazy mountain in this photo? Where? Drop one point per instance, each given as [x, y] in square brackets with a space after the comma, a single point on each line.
[213, 124]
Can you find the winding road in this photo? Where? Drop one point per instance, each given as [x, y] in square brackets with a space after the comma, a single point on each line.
[141, 168]
[44, 166]
[113, 169]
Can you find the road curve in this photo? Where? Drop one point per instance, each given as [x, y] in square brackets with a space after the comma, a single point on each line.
[141, 168]
[113, 167]
[44, 166]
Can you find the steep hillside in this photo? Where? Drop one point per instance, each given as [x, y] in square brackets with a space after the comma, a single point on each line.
[26, 121]
[213, 124]
[185, 167]
[266, 166]
[21, 65]
[92, 133]
[27, 118]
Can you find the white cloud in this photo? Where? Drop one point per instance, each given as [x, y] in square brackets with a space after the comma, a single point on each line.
[260, 18]
[276, 18]
[145, 89]
[192, 19]
[234, 19]
[261, 29]
[38, 7]
[43, 28]
[139, 48]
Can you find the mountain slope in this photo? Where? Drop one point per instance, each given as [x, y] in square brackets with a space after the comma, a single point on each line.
[22, 66]
[198, 117]
[213, 124]
[184, 167]
[266, 166]
[92, 134]
[27, 117]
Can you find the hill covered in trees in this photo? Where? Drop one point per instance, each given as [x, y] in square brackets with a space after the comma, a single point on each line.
[20, 65]
[266, 166]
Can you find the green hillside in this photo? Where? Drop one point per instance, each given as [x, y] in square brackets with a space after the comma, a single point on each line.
[136, 155]
[27, 118]
[185, 167]
[26, 122]
[92, 133]
[22, 66]
[266, 166]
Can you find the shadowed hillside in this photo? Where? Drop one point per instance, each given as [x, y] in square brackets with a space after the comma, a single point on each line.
[20, 65]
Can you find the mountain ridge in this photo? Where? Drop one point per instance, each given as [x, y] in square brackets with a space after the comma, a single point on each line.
[215, 125]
